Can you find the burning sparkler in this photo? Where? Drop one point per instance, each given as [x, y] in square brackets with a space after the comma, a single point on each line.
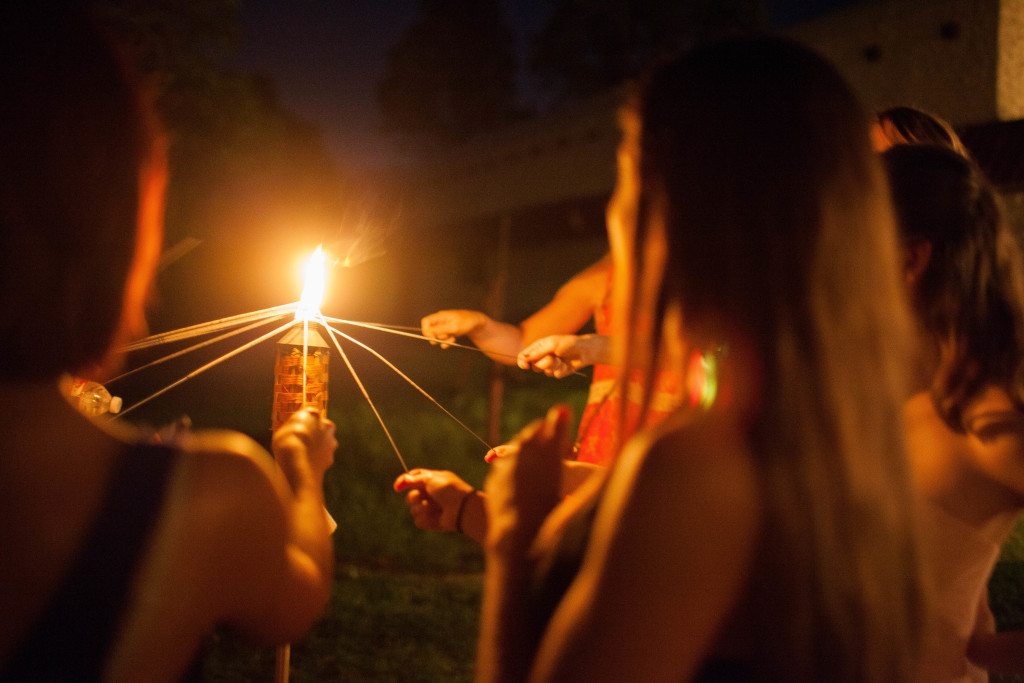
[301, 379]
[301, 371]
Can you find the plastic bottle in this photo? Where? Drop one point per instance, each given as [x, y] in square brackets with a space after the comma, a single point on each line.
[91, 398]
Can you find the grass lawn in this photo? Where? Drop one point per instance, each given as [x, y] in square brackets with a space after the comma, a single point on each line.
[1006, 591]
[380, 625]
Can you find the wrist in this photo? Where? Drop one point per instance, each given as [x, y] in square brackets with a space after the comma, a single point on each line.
[300, 474]
[585, 349]
[597, 349]
[479, 324]
[460, 514]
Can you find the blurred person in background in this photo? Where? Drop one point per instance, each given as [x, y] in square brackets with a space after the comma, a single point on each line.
[965, 419]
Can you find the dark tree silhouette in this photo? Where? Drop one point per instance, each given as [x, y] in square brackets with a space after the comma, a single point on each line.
[453, 73]
[588, 46]
[248, 178]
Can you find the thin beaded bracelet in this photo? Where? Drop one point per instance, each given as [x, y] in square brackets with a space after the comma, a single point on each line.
[462, 508]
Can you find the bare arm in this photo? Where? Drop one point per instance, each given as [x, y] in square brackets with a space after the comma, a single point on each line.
[261, 528]
[569, 310]
[572, 306]
[304, 450]
[574, 473]
[668, 559]
[440, 500]
[670, 554]
[522, 490]
[562, 354]
[500, 341]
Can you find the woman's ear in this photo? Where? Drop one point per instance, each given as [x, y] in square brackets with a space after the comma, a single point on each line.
[917, 254]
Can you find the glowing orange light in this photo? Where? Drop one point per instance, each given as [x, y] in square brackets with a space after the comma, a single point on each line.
[702, 379]
[315, 285]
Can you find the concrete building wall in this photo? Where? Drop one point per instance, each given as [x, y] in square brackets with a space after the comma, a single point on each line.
[962, 59]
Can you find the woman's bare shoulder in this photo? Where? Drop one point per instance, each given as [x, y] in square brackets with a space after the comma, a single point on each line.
[977, 473]
[232, 469]
[223, 442]
[229, 503]
[709, 441]
[706, 459]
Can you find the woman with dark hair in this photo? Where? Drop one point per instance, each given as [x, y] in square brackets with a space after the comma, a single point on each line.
[117, 556]
[965, 421]
[768, 534]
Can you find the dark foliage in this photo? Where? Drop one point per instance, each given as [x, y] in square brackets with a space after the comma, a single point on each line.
[453, 73]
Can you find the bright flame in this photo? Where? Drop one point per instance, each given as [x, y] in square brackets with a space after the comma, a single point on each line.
[313, 290]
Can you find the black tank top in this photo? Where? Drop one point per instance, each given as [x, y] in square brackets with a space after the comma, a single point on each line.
[74, 635]
[556, 571]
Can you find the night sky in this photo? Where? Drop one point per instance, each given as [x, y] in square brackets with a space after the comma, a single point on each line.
[325, 58]
[327, 55]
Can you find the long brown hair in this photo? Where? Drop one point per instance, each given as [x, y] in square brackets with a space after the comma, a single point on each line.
[911, 126]
[755, 168]
[79, 152]
[970, 296]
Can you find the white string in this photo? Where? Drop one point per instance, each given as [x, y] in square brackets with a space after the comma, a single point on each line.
[411, 382]
[366, 395]
[305, 355]
[206, 367]
[208, 327]
[265, 316]
[396, 329]
[182, 352]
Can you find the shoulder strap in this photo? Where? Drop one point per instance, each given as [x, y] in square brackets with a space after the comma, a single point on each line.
[73, 637]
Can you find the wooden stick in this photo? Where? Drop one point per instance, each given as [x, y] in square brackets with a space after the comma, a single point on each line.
[281, 663]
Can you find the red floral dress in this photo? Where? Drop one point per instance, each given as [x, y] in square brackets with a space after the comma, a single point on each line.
[599, 425]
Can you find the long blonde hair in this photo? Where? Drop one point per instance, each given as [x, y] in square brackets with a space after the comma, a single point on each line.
[755, 168]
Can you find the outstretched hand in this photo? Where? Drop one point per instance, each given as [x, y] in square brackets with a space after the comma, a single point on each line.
[447, 326]
[561, 355]
[502, 451]
[305, 440]
[433, 497]
[524, 485]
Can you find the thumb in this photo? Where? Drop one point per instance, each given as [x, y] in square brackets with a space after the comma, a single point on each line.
[408, 480]
[531, 353]
[556, 427]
